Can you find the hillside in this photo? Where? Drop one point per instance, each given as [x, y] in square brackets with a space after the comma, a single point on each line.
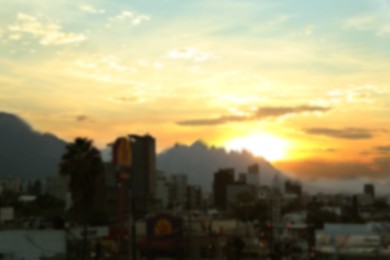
[199, 162]
[25, 152]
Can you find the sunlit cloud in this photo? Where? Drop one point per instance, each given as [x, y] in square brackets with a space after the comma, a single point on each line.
[368, 22]
[317, 169]
[362, 22]
[47, 31]
[85, 64]
[345, 133]
[385, 149]
[352, 95]
[189, 53]
[113, 63]
[15, 37]
[128, 16]
[260, 114]
[278, 20]
[92, 10]
[124, 99]
[82, 118]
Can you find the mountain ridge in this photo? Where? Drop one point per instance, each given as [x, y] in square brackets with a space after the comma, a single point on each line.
[199, 162]
[27, 153]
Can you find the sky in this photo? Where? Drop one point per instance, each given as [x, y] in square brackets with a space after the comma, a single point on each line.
[309, 79]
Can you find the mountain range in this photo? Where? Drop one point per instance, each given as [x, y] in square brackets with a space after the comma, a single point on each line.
[199, 162]
[27, 153]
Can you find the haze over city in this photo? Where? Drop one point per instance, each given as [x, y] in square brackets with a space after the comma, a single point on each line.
[303, 84]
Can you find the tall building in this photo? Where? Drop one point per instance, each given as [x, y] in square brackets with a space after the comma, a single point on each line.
[142, 173]
[178, 190]
[222, 178]
[253, 175]
[194, 197]
[369, 189]
[162, 190]
[293, 187]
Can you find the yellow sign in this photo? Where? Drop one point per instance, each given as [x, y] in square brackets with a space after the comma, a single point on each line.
[122, 152]
[163, 227]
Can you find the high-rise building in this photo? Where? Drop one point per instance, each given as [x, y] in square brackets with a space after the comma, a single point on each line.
[222, 178]
[369, 189]
[253, 175]
[293, 187]
[142, 173]
[162, 190]
[194, 197]
[178, 190]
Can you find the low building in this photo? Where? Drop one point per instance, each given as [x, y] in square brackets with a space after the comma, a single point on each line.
[351, 241]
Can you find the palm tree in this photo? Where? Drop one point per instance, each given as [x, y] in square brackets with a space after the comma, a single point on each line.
[83, 164]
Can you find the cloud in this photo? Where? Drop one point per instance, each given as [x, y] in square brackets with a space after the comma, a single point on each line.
[361, 22]
[378, 168]
[278, 20]
[367, 22]
[82, 118]
[48, 32]
[128, 16]
[92, 10]
[259, 114]
[281, 111]
[124, 99]
[189, 53]
[346, 133]
[385, 149]
[355, 94]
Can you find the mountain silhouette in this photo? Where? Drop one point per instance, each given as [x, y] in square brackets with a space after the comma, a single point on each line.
[199, 162]
[25, 152]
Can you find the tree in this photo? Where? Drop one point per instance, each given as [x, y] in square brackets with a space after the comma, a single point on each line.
[83, 164]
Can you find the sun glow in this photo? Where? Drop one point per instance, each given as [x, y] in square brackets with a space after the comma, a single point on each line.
[270, 147]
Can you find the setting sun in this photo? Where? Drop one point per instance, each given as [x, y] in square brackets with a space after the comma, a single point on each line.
[268, 146]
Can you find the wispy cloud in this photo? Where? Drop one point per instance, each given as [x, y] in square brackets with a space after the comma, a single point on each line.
[345, 133]
[189, 53]
[314, 169]
[353, 95]
[385, 149]
[128, 16]
[82, 118]
[48, 32]
[92, 10]
[278, 20]
[125, 99]
[259, 114]
[368, 22]
[362, 22]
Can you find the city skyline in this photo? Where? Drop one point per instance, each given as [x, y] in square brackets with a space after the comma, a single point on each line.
[308, 79]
